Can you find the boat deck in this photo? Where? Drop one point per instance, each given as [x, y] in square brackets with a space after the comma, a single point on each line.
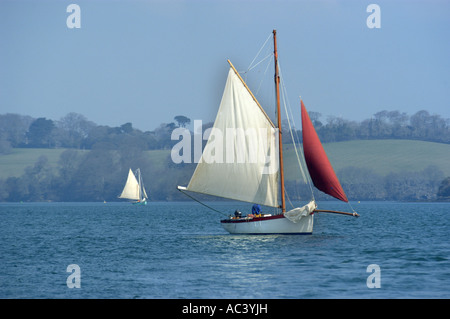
[248, 218]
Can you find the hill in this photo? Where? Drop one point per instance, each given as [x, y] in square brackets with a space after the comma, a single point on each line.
[368, 170]
[381, 156]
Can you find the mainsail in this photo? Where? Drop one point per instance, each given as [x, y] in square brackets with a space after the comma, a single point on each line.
[319, 167]
[240, 160]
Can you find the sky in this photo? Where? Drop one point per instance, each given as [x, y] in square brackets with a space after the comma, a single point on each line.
[147, 61]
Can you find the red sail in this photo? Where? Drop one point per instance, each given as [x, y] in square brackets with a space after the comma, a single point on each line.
[319, 167]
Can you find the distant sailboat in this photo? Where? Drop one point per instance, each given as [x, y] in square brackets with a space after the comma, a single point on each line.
[260, 182]
[134, 188]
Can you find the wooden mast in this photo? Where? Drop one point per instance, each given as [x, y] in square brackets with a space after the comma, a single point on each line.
[280, 144]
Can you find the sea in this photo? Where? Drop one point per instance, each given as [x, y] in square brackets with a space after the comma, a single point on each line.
[179, 250]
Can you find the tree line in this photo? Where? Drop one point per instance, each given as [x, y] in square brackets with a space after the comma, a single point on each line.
[76, 131]
[95, 165]
[384, 125]
[364, 184]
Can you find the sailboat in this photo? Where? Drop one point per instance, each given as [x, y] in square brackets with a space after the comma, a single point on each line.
[237, 175]
[134, 188]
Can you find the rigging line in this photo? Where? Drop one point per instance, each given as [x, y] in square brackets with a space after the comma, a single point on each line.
[293, 120]
[283, 91]
[306, 179]
[290, 108]
[284, 97]
[296, 152]
[295, 147]
[257, 54]
[264, 75]
[265, 71]
[203, 203]
[289, 199]
[354, 211]
[267, 57]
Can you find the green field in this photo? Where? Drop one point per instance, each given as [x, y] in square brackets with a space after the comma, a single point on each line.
[14, 164]
[381, 156]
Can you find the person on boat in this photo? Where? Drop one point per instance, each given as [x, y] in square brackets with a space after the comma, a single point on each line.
[237, 214]
[256, 210]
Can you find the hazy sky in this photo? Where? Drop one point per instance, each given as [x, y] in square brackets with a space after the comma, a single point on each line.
[145, 62]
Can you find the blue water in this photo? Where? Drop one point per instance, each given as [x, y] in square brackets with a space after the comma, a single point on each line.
[179, 250]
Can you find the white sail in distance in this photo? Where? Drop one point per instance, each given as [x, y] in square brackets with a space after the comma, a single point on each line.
[240, 160]
[131, 189]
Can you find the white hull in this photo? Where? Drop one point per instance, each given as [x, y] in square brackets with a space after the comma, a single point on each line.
[269, 225]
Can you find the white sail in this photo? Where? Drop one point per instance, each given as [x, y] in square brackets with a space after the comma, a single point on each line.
[240, 160]
[296, 214]
[131, 189]
[142, 191]
[145, 196]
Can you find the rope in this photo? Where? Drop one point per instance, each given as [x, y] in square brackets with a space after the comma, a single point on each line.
[305, 177]
[203, 203]
[354, 211]
[251, 68]
[265, 71]
[308, 178]
[257, 54]
[289, 199]
[252, 65]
